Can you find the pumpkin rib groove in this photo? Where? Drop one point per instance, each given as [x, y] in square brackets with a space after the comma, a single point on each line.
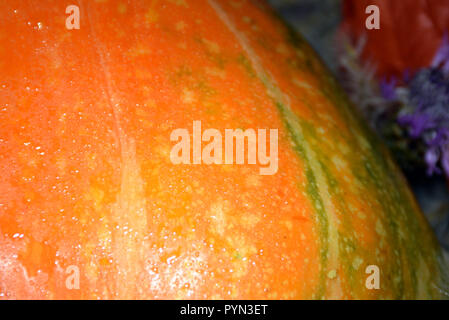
[109, 92]
[129, 208]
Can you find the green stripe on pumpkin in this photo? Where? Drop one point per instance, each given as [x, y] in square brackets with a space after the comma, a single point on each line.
[398, 211]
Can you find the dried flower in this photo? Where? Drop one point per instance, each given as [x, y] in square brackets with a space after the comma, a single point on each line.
[388, 89]
[432, 156]
[359, 81]
[413, 116]
[426, 111]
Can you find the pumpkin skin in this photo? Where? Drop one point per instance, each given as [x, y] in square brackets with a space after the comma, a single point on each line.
[87, 181]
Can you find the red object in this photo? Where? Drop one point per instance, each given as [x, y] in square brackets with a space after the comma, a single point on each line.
[409, 35]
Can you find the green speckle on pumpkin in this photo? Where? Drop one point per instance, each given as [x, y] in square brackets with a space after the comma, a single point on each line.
[246, 64]
[332, 274]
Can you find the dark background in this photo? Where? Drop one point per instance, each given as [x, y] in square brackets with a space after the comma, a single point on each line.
[317, 20]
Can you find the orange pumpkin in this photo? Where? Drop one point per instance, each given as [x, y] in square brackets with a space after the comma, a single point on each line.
[88, 188]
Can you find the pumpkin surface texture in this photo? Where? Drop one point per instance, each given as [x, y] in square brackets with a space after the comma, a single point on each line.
[88, 186]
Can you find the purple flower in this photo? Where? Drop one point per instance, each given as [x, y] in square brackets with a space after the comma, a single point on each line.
[426, 113]
[432, 156]
[418, 103]
[417, 123]
[441, 138]
[388, 88]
